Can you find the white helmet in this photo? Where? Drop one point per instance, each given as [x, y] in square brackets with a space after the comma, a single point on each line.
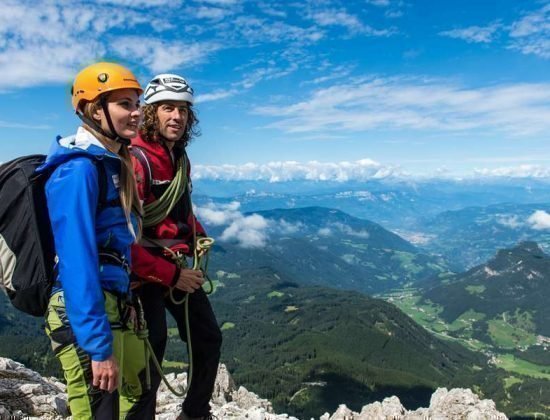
[168, 87]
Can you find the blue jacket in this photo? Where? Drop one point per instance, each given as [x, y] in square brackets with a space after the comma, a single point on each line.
[79, 229]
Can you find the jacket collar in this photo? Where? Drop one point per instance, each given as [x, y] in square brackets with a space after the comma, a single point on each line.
[83, 140]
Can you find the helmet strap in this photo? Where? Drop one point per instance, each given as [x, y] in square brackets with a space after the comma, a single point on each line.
[92, 123]
[114, 136]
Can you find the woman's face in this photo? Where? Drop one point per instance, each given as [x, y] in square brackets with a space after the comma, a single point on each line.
[123, 106]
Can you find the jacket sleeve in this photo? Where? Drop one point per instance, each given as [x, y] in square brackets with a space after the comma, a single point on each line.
[145, 265]
[72, 195]
[153, 268]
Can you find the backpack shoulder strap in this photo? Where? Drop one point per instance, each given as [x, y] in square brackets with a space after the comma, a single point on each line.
[142, 158]
[102, 182]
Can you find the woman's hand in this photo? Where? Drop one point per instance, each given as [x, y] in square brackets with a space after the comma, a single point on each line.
[105, 374]
[189, 280]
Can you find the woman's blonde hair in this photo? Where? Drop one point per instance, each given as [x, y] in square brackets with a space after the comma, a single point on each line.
[129, 196]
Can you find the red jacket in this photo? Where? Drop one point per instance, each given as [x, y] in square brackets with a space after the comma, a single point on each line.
[148, 263]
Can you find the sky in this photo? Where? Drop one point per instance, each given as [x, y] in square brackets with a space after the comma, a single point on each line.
[314, 89]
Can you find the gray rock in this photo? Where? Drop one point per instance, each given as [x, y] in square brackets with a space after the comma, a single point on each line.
[390, 408]
[456, 404]
[461, 404]
[228, 401]
[25, 393]
[224, 386]
[342, 413]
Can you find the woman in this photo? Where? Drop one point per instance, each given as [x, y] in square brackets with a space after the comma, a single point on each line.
[93, 203]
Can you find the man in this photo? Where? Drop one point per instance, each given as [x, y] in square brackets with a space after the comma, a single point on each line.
[163, 178]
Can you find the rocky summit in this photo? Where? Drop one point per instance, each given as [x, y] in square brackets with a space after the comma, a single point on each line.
[26, 394]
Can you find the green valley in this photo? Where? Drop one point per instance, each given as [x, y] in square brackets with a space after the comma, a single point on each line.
[497, 308]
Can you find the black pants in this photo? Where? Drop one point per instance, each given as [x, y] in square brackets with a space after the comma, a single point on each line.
[206, 340]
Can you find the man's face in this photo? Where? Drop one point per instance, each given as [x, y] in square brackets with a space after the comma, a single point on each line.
[172, 116]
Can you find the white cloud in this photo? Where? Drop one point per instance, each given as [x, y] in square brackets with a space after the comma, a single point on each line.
[393, 7]
[535, 46]
[324, 232]
[40, 44]
[142, 3]
[532, 23]
[520, 171]
[276, 66]
[392, 14]
[253, 30]
[474, 34]
[216, 95]
[531, 33]
[539, 220]
[333, 17]
[267, 73]
[338, 72]
[51, 42]
[511, 221]
[247, 231]
[282, 227]
[414, 103]
[160, 55]
[379, 3]
[363, 169]
[269, 10]
[212, 13]
[219, 2]
[219, 216]
[9, 124]
[349, 231]
[38, 64]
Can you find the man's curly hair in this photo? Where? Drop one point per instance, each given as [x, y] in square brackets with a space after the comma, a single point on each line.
[149, 127]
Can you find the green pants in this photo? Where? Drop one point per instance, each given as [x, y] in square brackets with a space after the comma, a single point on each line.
[85, 400]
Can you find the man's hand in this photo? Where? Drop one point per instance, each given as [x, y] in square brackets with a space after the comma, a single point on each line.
[189, 280]
[105, 374]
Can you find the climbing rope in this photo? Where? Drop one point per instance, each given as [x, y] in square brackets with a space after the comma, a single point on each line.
[200, 262]
[157, 211]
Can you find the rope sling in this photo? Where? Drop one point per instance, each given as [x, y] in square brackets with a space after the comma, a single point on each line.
[158, 210]
[154, 213]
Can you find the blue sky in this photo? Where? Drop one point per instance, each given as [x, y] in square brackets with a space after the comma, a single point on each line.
[313, 89]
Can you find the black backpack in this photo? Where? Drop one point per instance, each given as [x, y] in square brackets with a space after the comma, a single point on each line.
[27, 251]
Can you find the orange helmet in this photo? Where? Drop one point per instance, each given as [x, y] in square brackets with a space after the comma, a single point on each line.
[100, 78]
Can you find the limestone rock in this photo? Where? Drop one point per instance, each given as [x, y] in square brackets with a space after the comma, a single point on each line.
[342, 413]
[459, 404]
[223, 387]
[456, 404]
[228, 402]
[390, 408]
[25, 392]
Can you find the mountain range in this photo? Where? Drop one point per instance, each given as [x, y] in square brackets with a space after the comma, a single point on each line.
[472, 235]
[300, 330]
[327, 247]
[403, 205]
[510, 291]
